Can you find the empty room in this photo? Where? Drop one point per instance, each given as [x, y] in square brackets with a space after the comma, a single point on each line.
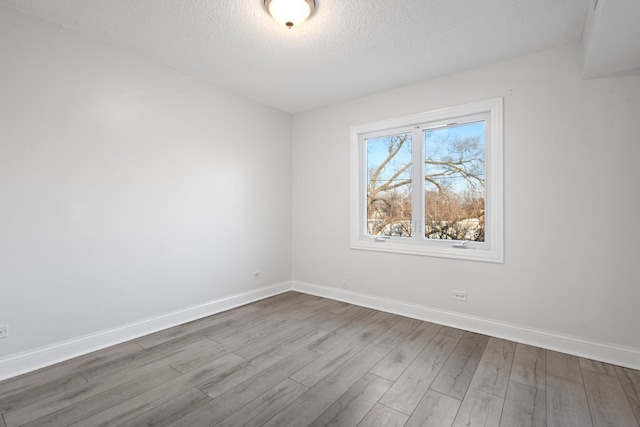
[319, 212]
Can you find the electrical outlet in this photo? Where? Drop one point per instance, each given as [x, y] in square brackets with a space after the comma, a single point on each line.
[4, 331]
[345, 282]
[256, 274]
[460, 295]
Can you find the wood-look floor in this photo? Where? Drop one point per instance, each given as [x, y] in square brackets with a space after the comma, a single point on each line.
[300, 360]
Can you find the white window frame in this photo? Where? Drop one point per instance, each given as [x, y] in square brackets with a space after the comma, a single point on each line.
[492, 249]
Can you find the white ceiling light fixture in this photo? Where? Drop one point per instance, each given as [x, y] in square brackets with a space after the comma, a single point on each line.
[290, 13]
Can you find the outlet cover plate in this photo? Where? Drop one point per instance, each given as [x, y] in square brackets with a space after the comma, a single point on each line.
[459, 295]
[4, 331]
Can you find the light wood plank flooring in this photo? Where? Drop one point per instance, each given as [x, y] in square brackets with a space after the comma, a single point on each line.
[301, 360]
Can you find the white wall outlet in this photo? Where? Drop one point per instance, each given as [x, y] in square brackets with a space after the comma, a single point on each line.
[256, 274]
[460, 295]
[4, 331]
[345, 282]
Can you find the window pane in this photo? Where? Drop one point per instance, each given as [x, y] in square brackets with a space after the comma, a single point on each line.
[455, 182]
[389, 185]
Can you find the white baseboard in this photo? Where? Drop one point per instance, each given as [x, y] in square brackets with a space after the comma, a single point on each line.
[604, 352]
[14, 365]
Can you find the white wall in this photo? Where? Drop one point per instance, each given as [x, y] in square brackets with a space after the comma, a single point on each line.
[572, 203]
[127, 189]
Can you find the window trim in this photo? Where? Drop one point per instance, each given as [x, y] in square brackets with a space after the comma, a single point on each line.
[492, 250]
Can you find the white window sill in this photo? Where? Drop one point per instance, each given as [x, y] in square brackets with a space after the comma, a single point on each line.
[438, 249]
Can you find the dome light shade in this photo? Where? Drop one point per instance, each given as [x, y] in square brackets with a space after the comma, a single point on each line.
[290, 13]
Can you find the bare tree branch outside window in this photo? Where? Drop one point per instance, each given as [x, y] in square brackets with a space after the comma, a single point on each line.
[454, 174]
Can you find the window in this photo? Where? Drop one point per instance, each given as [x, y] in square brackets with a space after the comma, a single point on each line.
[430, 183]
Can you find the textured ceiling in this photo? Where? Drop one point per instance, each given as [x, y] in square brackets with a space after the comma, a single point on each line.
[347, 49]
